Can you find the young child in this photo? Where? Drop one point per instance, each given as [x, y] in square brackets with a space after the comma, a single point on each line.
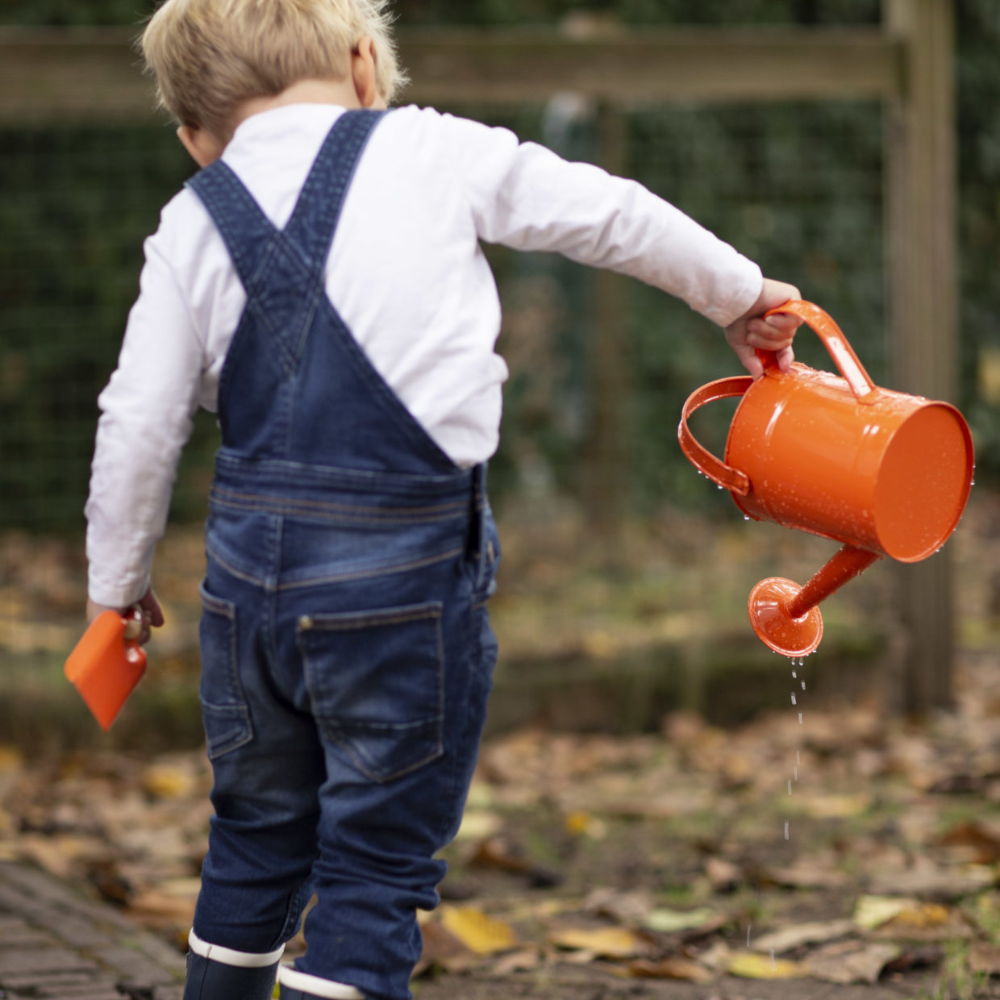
[321, 285]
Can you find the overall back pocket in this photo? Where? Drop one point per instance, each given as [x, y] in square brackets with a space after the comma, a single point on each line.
[376, 683]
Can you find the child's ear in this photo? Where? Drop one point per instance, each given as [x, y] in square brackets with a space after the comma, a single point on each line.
[201, 144]
[364, 76]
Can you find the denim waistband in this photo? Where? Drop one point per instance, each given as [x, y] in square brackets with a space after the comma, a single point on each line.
[281, 486]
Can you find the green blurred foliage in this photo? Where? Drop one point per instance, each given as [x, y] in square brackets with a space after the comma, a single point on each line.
[797, 187]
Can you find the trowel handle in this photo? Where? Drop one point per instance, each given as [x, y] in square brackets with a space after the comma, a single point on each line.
[834, 341]
[697, 454]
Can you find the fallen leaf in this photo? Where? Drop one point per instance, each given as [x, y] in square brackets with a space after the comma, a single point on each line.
[479, 932]
[604, 942]
[59, 855]
[834, 806]
[927, 922]
[442, 949]
[984, 958]
[982, 841]
[632, 907]
[156, 908]
[716, 956]
[522, 960]
[166, 781]
[871, 912]
[750, 966]
[801, 934]
[804, 875]
[921, 917]
[670, 968]
[930, 882]
[851, 961]
[723, 876]
[670, 921]
[583, 824]
[478, 824]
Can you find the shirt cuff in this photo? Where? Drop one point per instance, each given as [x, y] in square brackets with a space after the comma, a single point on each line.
[743, 293]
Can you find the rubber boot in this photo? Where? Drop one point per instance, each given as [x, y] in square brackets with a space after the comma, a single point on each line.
[297, 985]
[215, 973]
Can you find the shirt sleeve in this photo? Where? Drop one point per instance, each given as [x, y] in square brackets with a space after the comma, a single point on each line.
[526, 197]
[146, 419]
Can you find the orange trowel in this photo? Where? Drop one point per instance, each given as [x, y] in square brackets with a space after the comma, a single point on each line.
[107, 663]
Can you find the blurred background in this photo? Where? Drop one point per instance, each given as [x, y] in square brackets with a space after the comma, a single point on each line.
[625, 575]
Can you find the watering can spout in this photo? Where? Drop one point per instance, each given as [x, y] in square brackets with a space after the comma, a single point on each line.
[881, 472]
[786, 616]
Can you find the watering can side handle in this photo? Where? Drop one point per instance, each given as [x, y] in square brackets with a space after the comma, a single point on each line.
[697, 454]
[823, 325]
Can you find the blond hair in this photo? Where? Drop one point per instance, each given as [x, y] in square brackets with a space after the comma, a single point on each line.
[209, 56]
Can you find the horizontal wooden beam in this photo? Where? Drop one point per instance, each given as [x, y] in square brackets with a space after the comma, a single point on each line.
[651, 67]
[93, 74]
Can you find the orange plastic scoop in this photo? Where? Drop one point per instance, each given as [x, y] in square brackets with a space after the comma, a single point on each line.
[106, 665]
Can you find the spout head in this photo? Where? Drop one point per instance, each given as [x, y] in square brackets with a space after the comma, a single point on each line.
[773, 622]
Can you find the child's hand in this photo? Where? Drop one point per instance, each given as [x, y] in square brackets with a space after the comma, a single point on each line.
[750, 333]
[149, 608]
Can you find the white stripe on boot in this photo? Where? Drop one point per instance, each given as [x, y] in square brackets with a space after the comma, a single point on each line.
[326, 989]
[228, 956]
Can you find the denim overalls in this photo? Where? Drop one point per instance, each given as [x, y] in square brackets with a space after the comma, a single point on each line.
[346, 647]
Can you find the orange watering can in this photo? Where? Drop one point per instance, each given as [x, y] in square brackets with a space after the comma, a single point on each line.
[107, 663]
[885, 473]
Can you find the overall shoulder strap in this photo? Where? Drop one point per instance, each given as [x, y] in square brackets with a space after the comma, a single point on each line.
[317, 212]
[245, 229]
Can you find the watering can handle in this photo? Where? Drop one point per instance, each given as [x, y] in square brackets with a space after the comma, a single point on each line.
[833, 340]
[697, 454]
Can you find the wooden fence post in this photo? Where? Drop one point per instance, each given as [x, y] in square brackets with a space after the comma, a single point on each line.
[920, 196]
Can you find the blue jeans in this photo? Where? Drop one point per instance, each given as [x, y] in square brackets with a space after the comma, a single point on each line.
[347, 661]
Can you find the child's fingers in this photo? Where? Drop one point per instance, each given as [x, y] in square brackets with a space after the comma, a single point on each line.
[782, 321]
[748, 358]
[785, 357]
[769, 335]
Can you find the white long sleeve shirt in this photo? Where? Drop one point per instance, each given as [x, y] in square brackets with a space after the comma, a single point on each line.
[407, 274]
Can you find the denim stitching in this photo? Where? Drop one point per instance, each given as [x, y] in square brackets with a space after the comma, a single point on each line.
[234, 571]
[349, 621]
[455, 481]
[238, 709]
[334, 517]
[280, 505]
